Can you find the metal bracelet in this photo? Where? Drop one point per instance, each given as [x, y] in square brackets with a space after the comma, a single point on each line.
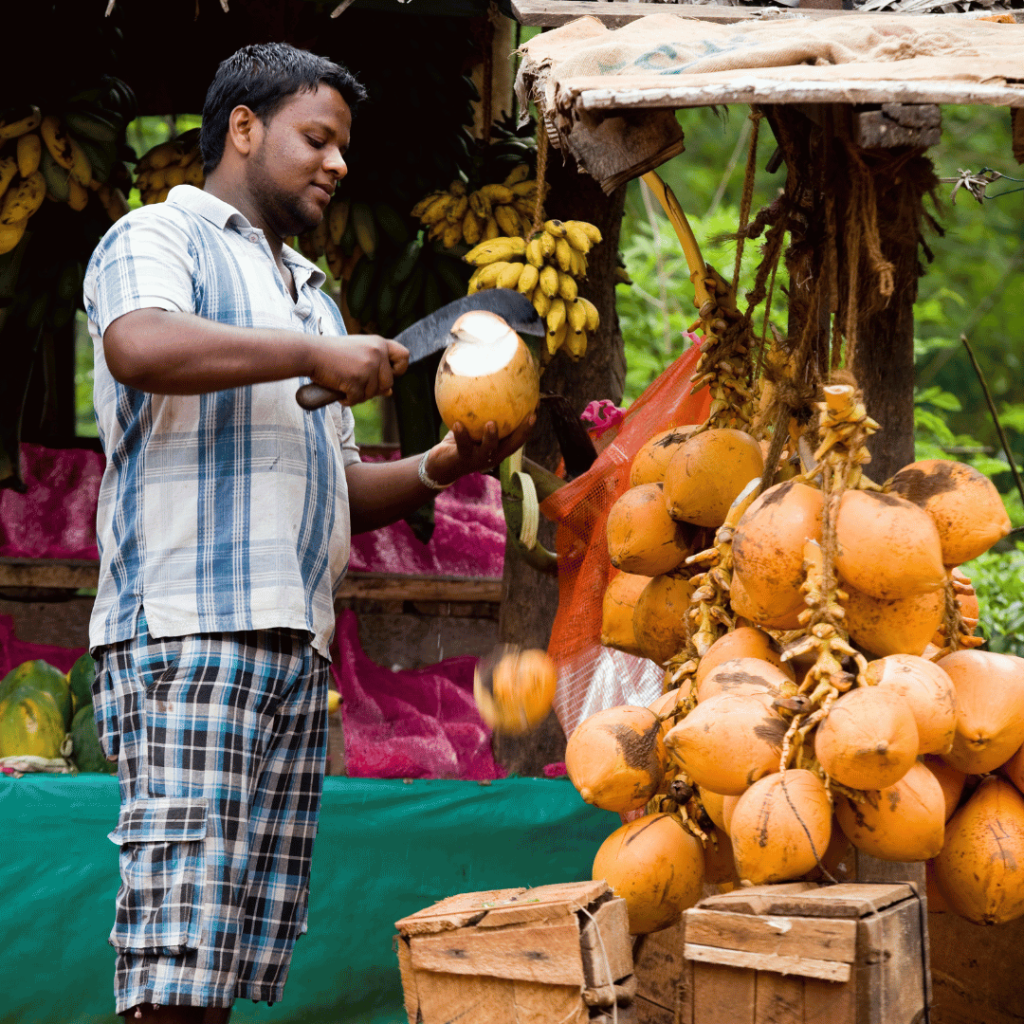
[426, 479]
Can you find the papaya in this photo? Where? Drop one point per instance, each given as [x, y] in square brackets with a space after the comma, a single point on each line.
[86, 751]
[30, 724]
[80, 680]
[42, 677]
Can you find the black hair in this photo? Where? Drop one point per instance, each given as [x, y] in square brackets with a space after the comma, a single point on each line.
[261, 77]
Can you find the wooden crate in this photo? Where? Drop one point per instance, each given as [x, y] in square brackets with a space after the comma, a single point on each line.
[854, 953]
[556, 954]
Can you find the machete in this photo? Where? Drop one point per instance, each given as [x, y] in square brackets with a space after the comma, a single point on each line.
[433, 333]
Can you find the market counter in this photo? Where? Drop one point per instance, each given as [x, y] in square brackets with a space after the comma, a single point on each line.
[386, 848]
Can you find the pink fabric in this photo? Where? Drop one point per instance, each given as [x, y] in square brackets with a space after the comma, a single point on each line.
[413, 724]
[13, 652]
[56, 517]
[600, 415]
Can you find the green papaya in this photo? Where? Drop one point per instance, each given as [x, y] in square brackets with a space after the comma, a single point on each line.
[41, 676]
[80, 679]
[30, 724]
[86, 751]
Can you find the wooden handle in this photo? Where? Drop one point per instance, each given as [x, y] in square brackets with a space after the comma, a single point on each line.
[315, 396]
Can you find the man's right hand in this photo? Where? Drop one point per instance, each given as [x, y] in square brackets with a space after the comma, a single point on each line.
[360, 366]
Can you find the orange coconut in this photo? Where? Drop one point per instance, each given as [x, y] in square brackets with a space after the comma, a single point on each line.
[868, 739]
[663, 706]
[1014, 769]
[964, 504]
[617, 611]
[746, 675]
[486, 374]
[656, 866]
[719, 861]
[651, 461]
[905, 625]
[836, 859]
[727, 742]
[660, 625]
[951, 781]
[713, 803]
[990, 709]
[523, 684]
[905, 821]
[768, 548]
[742, 642]
[781, 827]
[980, 869]
[616, 758]
[887, 547]
[642, 537]
[707, 473]
[750, 611]
[928, 690]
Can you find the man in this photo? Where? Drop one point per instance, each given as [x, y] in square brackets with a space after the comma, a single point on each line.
[224, 526]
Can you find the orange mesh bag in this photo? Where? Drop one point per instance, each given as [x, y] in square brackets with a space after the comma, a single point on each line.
[593, 677]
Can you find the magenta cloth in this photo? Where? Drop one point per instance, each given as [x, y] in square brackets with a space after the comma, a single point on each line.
[413, 724]
[601, 415]
[56, 516]
[468, 539]
[14, 652]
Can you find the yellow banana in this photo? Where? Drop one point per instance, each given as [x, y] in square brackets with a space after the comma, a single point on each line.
[457, 209]
[8, 169]
[507, 220]
[487, 277]
[547, 243]
[437, 230]
[563, 255]
[81, 165]
[541, 302]
[555, 228]
[491, 230]
[457, 188]
[528, 279]
[501, 248]
[592, 231]
[30, 149]
[436, 210]
[556, 315]
[576, 344]
[556, 339]
[11, 234]
[194, 174]
[472, 229]
[548, 280]
[57, 141]
[21, 201]
[78, 195]
[509, 276]
[174, 175]
[12, 129]
[578, 262]
[576, 315]
[517, 175]
[480, 204]
[593, 317]
[365, 228]
[534, 253]
[498, 193]
[160, 156]
[524, 189]
[337, 219]
[452, 235]
[577, 237]
[567, 287]
[421, 207]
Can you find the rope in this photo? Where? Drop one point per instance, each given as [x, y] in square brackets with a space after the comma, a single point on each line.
[748, 195]
[607, 965]
[541, 177]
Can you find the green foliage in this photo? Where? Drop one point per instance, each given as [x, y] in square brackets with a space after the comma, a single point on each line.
[998, 578]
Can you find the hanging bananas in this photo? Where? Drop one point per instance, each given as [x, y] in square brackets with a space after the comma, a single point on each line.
[175, 162]
[457, 216]
[546, 270]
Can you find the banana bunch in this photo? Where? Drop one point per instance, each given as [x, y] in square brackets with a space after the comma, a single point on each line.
[458, 216]
[546, 270]
[57, 158]
[175, 162]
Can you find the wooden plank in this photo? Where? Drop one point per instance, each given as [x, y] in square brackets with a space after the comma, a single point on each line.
[55, 573]
[825, 1002]
[805, 967]
[542, 1004]
[897, 124]
[848, 899]
[549, 954]
[891, 969]
[659, 965]
[723, 995]
[779, 1000]
[651, 1013]
[467, 999]
[606, 945]
[408, 975]
[812, 937]
[455, 911]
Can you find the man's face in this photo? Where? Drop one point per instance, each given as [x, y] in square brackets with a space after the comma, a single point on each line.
[297, 158]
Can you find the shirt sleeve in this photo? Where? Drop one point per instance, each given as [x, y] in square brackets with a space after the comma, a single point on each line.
[146, 260]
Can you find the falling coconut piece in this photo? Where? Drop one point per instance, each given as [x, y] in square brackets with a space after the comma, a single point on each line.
[486, 374]
[514, 688]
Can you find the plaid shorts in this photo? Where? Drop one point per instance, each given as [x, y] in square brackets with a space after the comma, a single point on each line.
[221, 743]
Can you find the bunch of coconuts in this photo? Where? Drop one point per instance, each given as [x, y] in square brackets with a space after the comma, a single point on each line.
[921, 760]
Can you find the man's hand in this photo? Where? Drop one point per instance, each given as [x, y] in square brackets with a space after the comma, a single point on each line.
[458, 454]
[360, 366]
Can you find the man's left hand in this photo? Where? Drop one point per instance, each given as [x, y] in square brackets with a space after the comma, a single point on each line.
[458, 454]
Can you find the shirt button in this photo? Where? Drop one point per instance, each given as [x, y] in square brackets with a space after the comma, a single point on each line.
[254, 238]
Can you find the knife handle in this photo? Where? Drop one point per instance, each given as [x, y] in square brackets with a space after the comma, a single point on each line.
[315, 396]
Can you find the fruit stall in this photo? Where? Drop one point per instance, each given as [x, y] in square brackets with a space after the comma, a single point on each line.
[778, 745]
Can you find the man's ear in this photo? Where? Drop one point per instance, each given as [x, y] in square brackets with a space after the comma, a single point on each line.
[243, 127]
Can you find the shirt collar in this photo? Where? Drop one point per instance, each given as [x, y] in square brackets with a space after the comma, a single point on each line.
[225, 216]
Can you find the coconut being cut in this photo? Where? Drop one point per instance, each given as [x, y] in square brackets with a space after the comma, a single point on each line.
[486, 374]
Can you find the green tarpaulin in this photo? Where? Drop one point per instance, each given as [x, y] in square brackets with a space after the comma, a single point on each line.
[385, 849]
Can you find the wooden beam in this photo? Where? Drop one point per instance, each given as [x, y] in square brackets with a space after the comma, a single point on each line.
[616, 13]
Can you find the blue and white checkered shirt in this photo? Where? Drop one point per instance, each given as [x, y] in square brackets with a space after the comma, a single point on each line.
[226, 511]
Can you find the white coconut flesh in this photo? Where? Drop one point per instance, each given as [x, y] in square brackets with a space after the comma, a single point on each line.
[484, 344]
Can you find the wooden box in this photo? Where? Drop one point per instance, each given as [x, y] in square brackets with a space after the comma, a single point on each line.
[796, 953]
[557, 954]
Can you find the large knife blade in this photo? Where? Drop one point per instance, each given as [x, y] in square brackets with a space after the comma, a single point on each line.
[433, 333]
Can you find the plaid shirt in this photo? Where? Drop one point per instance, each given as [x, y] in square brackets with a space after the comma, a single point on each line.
[227, 511]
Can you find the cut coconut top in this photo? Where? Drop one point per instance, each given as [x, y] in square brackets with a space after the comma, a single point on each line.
[484, 343]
